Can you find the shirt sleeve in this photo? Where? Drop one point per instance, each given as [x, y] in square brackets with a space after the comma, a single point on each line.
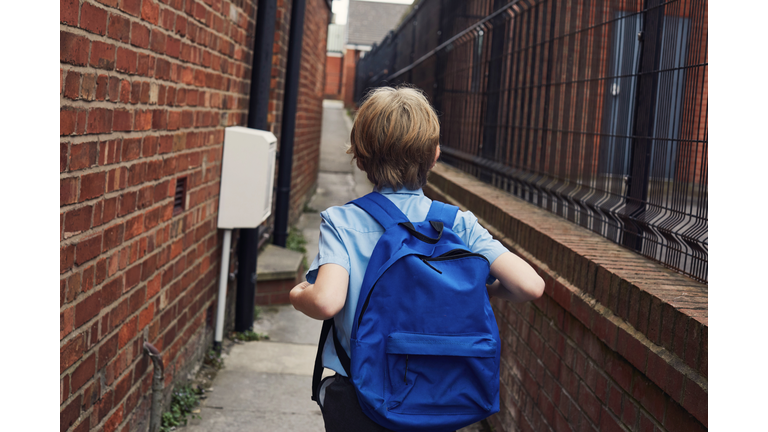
[479, 240]
[331, 249]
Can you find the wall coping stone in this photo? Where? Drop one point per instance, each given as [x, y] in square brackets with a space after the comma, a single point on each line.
[662, 313]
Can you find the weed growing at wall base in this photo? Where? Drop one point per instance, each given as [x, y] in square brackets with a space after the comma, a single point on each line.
[185, 399]
[297, 242]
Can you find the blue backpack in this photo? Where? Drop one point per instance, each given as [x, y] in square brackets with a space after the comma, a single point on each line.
[424, 345]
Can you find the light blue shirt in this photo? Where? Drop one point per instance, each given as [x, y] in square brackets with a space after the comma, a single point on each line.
[347, 238]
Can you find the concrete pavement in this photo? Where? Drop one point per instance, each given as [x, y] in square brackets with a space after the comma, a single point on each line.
[266, 385]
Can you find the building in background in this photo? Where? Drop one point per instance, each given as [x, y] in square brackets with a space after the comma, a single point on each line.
[147, 89]
[368, 22]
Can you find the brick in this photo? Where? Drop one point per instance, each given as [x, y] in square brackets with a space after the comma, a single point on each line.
[126, 60]
[632, 349]
[127, 203]
[93, 19]
[113, 236]
[132, 7]
[88, 90]
[70, 413]
[67, 121]
[146, 65]
[83, 372]
[157, 41]
[649, 396]
[695, 401]
[63, 156]
[131, 149]
[144, 97]
[150, 12]
[87, 309]
[132, 276]
[88, 249]
[149, 146]
[78, 220]
[113, 89]
[135, 92]
[112, 291]
[116, 418]
[173, 47]
[127, 332]
[71, 352]
[181, 25]
[139, 35]
[119, 29]
[101, 270]
[92, 185]
[134, 226]
[99, 121]
[101, 87]
[102, 55]
[107, 351]
[72, 85]
[73, 49]
[104, 405]
[117, 179]
[143, 120]
[677, 418]
[608, 423]
[146, 316]
[122, 387]
[83, 156]
[620, 370]
[69, 11]
[125, 91]
[122, 120]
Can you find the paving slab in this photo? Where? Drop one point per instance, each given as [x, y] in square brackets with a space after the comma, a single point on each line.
[286, 324]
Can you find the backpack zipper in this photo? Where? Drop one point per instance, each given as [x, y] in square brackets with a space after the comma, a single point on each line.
[424, 260]
[450, 255]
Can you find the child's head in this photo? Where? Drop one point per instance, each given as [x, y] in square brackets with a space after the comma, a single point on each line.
[395, 138]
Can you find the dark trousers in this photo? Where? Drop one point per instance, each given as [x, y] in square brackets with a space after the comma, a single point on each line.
[341, 409]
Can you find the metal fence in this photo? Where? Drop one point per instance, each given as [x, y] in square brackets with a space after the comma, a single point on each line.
[594, 110]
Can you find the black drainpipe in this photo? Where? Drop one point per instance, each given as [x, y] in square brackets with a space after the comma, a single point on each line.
[290, 102]
[258, 106]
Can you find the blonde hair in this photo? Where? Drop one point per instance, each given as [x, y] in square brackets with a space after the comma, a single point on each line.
[395, 137]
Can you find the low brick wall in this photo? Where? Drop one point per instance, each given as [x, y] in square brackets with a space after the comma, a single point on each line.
[617, 342]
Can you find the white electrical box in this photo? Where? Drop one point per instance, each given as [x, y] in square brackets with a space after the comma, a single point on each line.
[247, 175]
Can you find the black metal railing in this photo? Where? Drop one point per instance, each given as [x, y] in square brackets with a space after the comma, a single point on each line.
[594, 110]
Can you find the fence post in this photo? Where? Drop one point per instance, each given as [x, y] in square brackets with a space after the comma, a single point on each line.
[642, 142]
[493, 90]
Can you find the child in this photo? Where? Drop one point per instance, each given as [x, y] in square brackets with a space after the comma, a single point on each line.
[395, 141]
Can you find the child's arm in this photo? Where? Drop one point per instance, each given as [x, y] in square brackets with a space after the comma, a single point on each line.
[516, 280]
[325, 298]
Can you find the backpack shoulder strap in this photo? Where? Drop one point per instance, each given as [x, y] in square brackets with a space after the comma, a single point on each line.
[442, 212]
[382, 209]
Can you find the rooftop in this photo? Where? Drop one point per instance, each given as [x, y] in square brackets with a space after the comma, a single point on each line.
[369, 22]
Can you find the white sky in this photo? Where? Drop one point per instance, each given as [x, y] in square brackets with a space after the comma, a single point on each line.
[340, 8]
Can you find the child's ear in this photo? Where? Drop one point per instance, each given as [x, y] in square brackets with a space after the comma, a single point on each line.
[437, 156]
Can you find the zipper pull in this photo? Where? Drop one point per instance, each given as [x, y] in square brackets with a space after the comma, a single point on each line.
[424, 260]
[405, 377]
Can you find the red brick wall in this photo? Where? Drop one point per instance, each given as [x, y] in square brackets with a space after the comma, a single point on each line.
[309, 111]
[348, 77]
[616, 343]
[333, 76]
[147, 88]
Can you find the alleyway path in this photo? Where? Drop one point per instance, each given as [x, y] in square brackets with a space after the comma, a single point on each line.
[266, 386]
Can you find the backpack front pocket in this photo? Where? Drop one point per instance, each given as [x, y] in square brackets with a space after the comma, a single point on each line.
[441, 374]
